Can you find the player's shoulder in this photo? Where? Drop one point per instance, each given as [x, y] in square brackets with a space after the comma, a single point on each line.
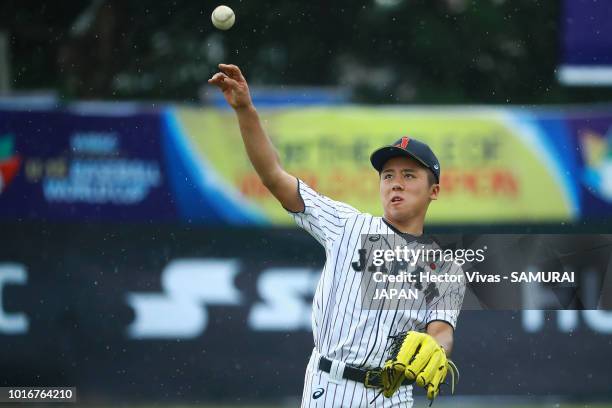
[369, 221]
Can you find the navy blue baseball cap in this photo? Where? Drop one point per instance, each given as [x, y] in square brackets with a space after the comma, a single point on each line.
[407, 147]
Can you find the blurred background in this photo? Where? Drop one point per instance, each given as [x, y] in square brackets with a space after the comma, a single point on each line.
[143, 262]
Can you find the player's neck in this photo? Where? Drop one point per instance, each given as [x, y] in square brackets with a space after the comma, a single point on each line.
[413, 226]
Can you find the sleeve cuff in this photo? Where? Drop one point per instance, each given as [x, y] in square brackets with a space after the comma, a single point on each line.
[299, 192]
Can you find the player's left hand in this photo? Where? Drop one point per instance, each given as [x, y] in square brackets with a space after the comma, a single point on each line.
[419, 358]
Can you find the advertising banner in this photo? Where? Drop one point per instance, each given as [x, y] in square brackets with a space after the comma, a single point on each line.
[585, 38]
[592, 132]
[498, 165]
[183, 314]
[61, 165]
[71, 165]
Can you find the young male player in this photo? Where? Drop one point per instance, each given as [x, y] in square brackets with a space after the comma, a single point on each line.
[351, 363]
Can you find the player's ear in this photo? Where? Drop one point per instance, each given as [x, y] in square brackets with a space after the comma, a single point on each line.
[434, 191]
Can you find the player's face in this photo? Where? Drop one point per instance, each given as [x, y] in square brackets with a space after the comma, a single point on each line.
[405, 190]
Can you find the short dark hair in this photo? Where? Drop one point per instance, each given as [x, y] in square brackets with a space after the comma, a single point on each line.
[431, 178]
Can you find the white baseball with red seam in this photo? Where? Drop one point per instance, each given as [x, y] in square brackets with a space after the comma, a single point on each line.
[223, 17]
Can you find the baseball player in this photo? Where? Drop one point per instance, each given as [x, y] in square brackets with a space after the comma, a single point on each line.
[362, 351]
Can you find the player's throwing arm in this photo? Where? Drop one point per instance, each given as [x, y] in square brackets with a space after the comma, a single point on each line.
[260, 150]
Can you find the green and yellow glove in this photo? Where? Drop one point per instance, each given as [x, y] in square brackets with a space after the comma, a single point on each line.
[419, 358]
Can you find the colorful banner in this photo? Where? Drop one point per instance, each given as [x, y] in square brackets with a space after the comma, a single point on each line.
[68, 166]
[498, 166]
[592, 133]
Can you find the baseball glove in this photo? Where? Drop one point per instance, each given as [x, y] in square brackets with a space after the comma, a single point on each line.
[419, 358]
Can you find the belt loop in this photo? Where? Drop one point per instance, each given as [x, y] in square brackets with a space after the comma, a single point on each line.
[336, 372]
[314, 360]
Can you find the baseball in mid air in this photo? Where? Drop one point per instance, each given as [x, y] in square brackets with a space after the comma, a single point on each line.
[223, 17]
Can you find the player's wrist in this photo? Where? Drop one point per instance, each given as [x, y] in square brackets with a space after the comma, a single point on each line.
[246, 108]
[447, 350]
[441, 345]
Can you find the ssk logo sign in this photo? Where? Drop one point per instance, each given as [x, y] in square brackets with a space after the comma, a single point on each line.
[190, 285]
[12, 323]
[180, 311]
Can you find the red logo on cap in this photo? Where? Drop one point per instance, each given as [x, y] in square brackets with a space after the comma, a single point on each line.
[403, 143]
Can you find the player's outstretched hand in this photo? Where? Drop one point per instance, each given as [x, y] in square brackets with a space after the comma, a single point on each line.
[233, 85]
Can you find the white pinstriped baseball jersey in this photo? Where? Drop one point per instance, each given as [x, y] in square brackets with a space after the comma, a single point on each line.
[343, 327]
